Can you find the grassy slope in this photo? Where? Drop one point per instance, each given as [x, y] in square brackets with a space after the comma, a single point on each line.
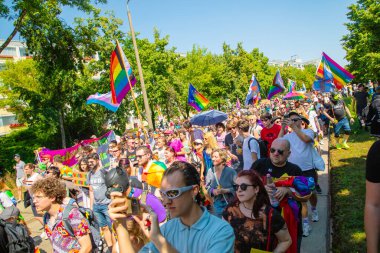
[348, 193]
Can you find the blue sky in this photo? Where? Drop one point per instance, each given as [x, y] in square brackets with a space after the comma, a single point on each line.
[278, 28]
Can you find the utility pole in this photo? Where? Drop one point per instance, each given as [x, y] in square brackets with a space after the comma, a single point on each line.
[145, 97]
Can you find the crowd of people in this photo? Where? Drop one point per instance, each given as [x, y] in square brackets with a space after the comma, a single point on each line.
[249, 182]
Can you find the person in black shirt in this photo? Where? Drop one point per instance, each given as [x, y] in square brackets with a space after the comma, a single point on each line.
[336, 113]
[372, 199]
[361, 101]
[277, 166]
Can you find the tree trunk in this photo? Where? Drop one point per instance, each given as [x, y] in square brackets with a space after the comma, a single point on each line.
[15, 30]
[62, 127]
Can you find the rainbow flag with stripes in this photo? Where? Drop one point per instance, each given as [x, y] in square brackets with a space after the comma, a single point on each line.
[329, 70]
[196, 99]
[121, 75]
[277, 86]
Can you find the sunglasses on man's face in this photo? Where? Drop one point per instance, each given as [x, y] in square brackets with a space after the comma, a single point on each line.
[279, 151]
[175, 192]
[295, 119]
[242, 186]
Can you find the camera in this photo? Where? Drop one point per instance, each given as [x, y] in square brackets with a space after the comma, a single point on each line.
[117, 180]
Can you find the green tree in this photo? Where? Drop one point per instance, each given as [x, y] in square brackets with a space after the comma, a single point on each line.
[363, 40]
[23, 12]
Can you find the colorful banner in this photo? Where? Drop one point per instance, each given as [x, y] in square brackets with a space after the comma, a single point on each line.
[68, 154]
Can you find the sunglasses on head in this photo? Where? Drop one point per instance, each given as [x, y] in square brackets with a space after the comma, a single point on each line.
[242, 186]
[280, 151]
[175, 192]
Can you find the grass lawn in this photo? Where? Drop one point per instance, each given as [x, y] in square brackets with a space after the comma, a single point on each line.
[348, 194]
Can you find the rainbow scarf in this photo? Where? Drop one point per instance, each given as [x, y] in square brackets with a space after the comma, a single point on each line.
[119, 70]
[196, 99]
[328, 69]
[277, 86]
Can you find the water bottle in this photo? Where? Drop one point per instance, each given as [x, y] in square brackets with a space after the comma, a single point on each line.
[274, 202]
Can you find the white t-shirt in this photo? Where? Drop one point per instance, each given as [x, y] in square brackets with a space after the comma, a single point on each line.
[247, 153]
[301, 152]
[312, 115]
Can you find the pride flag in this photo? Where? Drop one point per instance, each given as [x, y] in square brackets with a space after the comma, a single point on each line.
[104, 100]
[196, 99]
[121, 74]
[292, 85]
[153, 173]
[253, 91]
[277, 86]
[328, 70]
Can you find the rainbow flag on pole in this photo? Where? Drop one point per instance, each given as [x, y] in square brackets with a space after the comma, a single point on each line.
[277, 86]
[196, 99]
[119, 70]
[328, 69]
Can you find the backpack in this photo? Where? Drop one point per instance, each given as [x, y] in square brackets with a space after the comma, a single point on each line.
[19, 241]
[91, 220]
[263, 146]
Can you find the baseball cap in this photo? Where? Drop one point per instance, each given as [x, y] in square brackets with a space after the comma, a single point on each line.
[294, 113]
[10, 212]
[198, 141]
[17, 155]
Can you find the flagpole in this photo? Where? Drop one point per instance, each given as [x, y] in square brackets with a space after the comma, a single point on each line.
[130, 86]
[143, 90]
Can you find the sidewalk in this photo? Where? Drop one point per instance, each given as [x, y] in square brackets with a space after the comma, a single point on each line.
[317, 241]
[35, 227]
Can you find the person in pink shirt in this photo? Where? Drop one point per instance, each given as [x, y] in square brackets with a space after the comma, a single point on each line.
[220, 134]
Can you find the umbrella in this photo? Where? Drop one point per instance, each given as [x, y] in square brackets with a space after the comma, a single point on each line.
[208, 118]
[294, 96]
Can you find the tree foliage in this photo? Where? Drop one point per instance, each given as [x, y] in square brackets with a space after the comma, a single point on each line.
[49, 92]
[362, 42]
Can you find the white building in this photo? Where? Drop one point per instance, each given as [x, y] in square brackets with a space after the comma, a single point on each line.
[294, 61]
[16, 50]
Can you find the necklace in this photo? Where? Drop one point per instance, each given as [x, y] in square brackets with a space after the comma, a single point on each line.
[247, 207]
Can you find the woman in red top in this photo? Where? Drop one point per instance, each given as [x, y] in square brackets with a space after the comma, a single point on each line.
[270, 131]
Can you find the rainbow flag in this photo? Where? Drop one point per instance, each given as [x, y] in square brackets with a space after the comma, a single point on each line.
[104, 100]
[277, 86]
[196, 99]
[119, 70]
[328, 70]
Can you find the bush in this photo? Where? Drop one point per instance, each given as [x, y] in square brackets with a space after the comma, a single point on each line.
[22, 142]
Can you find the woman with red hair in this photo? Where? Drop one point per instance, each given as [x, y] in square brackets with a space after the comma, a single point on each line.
[256, 224]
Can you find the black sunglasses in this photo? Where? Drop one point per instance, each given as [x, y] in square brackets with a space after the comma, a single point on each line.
[296, 119]
[280, 151]
[243, 186]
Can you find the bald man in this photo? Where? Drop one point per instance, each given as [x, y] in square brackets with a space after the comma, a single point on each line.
[277, 164]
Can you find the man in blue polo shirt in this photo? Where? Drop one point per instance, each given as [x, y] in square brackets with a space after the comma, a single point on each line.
[191, 229]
